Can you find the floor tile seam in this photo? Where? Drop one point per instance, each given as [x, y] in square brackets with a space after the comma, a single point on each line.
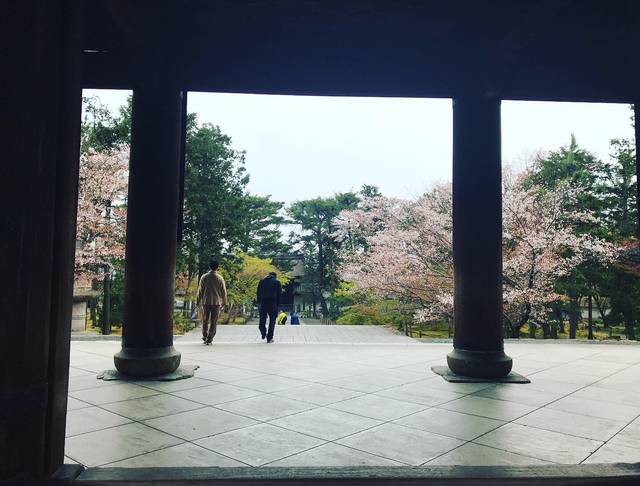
[175, 445]
[521, 403]
[83, 401]
[195, 387]
[513, 421]
[466, 442]
[101, 384]
[422, 404]
[610, 439]
[361, 394]
[554, 401]
[137, 455]
[126, 399]
[567, 433]
[322, 438]
[513, 452]
[450, 436]
[206, 436]
[595, 384]
[120, 401]
[384, 388]
[400, 463]
[563, 363]
[175, 394]
[506, 422]
[270, 421]
[99, 387]
[266, 375]
[558, 432]
[598, 353]
[391, 422]
[94, 353]
[369, 452]
[606, 402]
[415, 402]
[128, 422]
[141, 421]
[306, 383]
[425, 407]
[91, 372]
[262, 421]
[259, 394]
[596, 450]
[554, 365]
[73, 458]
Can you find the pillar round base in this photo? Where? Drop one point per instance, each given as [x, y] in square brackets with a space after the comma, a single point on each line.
[479, 364]
[147, 362]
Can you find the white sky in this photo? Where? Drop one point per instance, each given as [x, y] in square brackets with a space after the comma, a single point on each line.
[299, 147]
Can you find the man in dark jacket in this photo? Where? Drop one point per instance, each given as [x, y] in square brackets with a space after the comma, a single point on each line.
[269, 290]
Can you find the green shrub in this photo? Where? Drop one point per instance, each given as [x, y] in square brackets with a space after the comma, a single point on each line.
[182, 323]
[376, 313]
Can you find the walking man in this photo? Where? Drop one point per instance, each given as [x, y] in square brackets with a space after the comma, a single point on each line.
[269, 290]
[212, 295]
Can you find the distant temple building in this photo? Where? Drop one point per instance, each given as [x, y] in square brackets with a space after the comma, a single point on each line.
[297, 294]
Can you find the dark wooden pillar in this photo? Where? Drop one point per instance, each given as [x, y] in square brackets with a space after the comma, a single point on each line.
[477, 240]
[152, 222]
[39, 135]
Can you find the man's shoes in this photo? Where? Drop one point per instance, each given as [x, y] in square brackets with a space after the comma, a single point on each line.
[263, 337]
[208, 341]
[204, 339]
[270, 340]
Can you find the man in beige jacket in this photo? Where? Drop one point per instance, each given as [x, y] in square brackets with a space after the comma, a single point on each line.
[212, 295]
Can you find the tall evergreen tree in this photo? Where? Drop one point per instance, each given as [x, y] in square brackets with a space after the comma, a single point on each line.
[318, 242]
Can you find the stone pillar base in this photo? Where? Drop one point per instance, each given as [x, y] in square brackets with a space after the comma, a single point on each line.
[479, 364]
[147, 362]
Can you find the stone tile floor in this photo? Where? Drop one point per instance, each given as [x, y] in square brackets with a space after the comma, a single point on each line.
[340, 404]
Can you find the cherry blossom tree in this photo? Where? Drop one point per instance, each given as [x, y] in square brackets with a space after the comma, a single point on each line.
[101, 217]
[540, 245]
[403, 250]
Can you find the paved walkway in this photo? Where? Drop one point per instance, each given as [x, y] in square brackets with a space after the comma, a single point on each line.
[303, 334]
[258, 404]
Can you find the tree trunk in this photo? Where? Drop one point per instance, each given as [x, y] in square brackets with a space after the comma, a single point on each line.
[627, 314]
[323, 304]
[601, 310]
[106, 304]
[92, 312]
[574, 308]
[558, 313]
[590, 317]
[232, 314]
[546, 330]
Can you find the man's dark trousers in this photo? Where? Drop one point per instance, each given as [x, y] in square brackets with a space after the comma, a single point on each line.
[267, 308]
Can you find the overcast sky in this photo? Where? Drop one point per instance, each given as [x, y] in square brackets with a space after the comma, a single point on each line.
[300, 147]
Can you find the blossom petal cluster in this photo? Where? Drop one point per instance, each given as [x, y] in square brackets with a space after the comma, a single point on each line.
[101, 218]
[402, 249]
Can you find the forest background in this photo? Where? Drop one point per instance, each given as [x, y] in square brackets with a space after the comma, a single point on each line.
[569, 244]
